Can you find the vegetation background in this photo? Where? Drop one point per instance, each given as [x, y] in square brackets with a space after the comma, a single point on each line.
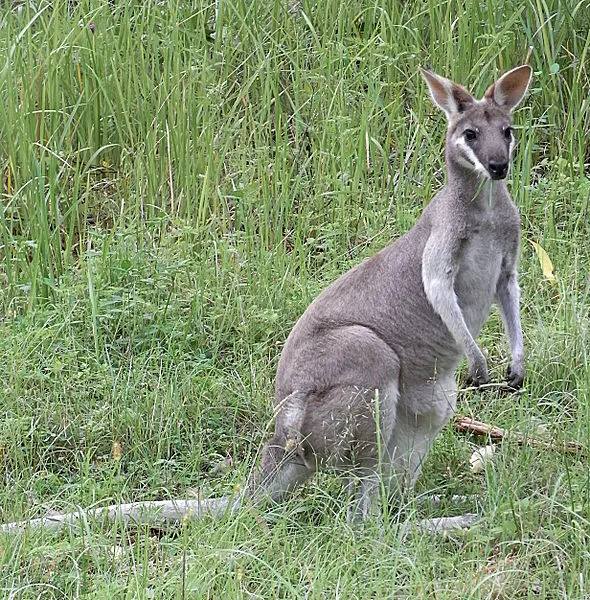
[176, 188]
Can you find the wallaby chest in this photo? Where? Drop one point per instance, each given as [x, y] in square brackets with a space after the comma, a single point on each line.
[489, 238]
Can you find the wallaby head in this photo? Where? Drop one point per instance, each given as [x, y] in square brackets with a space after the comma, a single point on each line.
[479, 136]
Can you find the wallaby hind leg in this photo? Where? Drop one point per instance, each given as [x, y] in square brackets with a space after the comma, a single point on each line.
[279, 474]
[364, 487]
[282, 464]
[415, 432]
[372, 460]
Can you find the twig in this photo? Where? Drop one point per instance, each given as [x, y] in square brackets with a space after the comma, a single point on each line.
[497, 433]
[438, 499]
[501, 386]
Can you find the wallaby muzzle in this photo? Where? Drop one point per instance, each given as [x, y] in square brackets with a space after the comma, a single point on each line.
[497, 170]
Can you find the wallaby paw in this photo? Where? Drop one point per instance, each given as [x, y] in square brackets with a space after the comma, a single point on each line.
[477, 376]
[475, 381]
[514, 377]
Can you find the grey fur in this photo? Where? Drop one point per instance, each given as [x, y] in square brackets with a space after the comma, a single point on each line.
[382, 343]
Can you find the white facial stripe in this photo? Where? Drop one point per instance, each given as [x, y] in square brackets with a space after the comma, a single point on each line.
[469, 158]
[512, 143]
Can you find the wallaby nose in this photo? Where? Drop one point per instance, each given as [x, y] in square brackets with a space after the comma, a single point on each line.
[498, 170]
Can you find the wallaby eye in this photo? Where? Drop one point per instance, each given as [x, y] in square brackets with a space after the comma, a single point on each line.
[508, 133]
[470, 134]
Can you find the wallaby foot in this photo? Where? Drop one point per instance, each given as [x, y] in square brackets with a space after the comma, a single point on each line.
[364, 490]
[445, 524]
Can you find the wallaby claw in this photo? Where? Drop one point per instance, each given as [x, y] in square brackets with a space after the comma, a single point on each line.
[476, 381]
[514, 378]
[478, 375]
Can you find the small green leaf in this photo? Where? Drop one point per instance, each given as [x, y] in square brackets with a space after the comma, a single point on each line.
[554, 68]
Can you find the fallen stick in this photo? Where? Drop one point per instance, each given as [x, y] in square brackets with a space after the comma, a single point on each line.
[497, 433]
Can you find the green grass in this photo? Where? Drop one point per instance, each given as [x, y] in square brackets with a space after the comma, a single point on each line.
[175, 191]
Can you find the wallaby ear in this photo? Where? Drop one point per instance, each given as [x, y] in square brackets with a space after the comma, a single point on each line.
[449, 96]
[510, 89]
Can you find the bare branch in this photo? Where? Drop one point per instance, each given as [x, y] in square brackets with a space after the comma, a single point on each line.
[496, 433]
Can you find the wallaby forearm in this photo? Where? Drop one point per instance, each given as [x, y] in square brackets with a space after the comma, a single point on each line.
[508, 299]
[442, 297]
[508, 303]
[439, 270]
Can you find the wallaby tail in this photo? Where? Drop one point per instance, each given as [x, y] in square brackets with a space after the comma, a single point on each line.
[156, 513]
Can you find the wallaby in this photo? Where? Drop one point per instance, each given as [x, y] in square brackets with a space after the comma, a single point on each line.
[366, 379]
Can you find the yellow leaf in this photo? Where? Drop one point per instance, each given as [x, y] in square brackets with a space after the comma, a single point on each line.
[116, 451]
[545, 261]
